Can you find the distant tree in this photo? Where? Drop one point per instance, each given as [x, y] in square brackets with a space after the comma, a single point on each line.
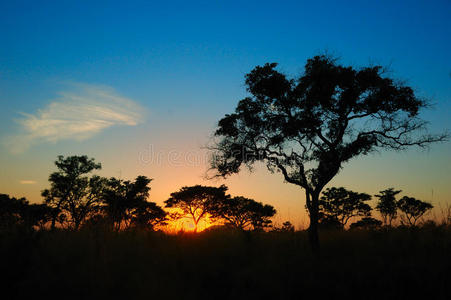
[341, 204]
[195, 201]
[243, 213]
[366, 223]
[286, 227]
[19, 212]
[11, 211]
[125, 204]
[71, 193]
[308, 127]
[387, 205]
[148, 215]
[413, 209]
[37, 215]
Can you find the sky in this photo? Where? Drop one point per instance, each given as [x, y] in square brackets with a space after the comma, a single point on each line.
[140, 86]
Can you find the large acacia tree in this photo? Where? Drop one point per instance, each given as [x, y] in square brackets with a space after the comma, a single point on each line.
[195, 202]
[308, 127]
[413, 209]
[242, 213]
[340, 205]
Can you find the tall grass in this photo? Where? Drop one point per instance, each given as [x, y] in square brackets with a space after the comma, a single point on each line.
[92, 264]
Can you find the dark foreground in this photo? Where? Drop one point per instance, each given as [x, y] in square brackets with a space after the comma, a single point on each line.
[395, 264]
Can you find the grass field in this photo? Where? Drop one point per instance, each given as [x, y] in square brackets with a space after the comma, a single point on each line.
[394, 264]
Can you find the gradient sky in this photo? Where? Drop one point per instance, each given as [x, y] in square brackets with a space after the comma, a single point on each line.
[140, 85]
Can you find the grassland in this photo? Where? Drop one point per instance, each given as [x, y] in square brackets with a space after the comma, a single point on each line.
[98, 264]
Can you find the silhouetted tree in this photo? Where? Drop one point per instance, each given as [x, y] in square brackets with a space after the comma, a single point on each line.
[341, 205]
[126, 205]
[387, 205]
[243, 213]
[307, 127]
[366, 223]
[37, 215]
[195, 201]
[413, 209]
[11, 210]
[286, 227]
[72, 194]
[148, 215]
[19, 212]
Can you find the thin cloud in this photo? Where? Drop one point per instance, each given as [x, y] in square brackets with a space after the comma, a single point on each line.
[27, 182]
[78, 114]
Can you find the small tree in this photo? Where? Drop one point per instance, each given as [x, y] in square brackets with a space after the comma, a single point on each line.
[413, 209]
[286, 227]
[19, 212]
[308, 127]
[125, 204]
[387, 205]
[11, 209]
[37, 215]
[341, 205]
[71, 193]
[243, 213]
[148, 215]
[195, 202]
[367, 223]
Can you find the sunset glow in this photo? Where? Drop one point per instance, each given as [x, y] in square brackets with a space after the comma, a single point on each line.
[150, 108]
[239, 150]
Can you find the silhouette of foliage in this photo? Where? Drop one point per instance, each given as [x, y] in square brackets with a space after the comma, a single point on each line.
[367, 223]
[37, 215]
[286, 227]
[19, 212]
[413, 209]
[243, 213]
[341, 205]
[307, 127]
[126, 205]
[72, 195]
[387, 205]
[11, 210]
[148, 215]
[195, 202]
[329, 223]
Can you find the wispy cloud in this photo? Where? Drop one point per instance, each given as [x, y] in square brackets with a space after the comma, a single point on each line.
[80, 112]
[27, 182]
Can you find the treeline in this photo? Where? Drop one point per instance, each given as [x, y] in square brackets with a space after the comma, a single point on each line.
[338, 206]
[76, 199]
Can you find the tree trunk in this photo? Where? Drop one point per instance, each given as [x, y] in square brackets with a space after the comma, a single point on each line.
[52, 227]
[195, 225]
[313, 227]
[55, 213]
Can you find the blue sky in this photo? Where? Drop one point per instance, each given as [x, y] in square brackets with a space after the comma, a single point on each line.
[181, 64]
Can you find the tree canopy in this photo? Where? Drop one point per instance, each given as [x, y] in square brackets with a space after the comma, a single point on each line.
[413, 209]
[387, 205]
[195, 201]
[125, 204]
[72, 193]
[243, 213]
[366, 223]
[19, 212]
[309, 126]
[341, 205]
